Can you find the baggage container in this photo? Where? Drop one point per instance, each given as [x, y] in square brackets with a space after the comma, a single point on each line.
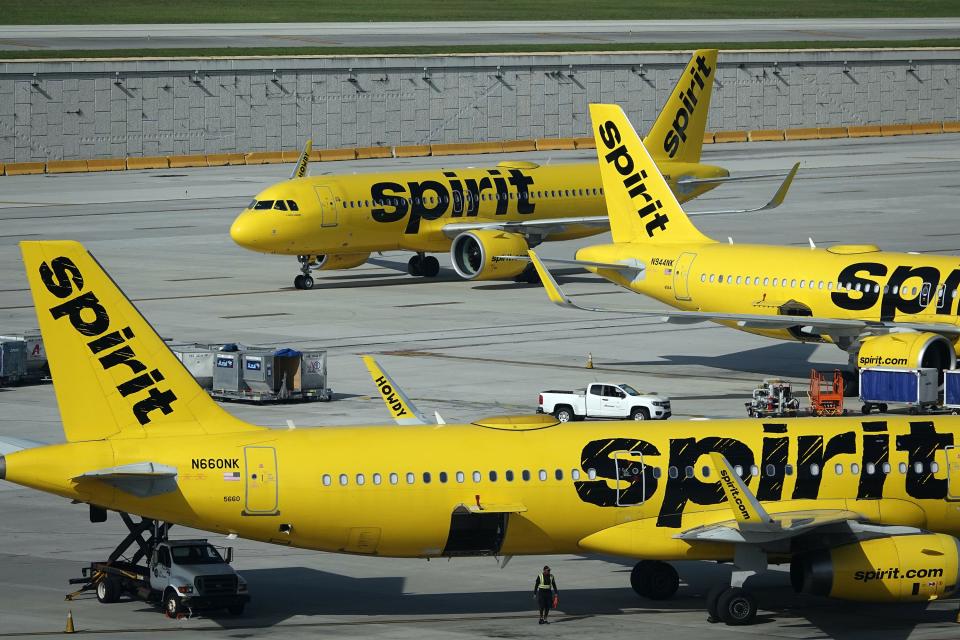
[13, 361]
[270, 375]
[198, 360]
[35, 358]
[915, 388]
[951, 389]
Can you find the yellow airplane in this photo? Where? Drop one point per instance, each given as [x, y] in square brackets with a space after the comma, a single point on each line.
[862, 510]
[883, 308]
[336, 222]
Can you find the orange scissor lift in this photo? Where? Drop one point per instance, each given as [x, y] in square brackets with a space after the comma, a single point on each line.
[826, 396]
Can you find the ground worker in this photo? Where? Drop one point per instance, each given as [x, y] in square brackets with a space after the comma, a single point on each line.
[545, 592]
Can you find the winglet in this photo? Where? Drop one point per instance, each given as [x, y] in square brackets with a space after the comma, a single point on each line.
[775, 201]
[554, 292]
[300, 169]
[745, 506]
[402, 409]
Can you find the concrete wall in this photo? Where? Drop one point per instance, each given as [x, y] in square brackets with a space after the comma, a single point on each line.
[95, 109]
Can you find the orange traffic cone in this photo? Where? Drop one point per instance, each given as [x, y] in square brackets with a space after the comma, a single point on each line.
[589, 361]
[70, 628]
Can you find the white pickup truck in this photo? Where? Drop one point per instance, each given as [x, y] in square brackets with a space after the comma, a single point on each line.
[604, 400]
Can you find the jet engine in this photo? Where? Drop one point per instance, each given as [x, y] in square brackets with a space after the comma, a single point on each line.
[911, 350]
[340, 261]
[476, 254]
[905, 568]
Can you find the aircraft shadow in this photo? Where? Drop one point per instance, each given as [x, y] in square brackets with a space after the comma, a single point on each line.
[781, 359]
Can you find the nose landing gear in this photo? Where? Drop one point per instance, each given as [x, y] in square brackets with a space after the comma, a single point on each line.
[304, 281]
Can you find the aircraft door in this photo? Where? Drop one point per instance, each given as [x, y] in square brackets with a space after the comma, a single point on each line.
[328, 207]
[631, 480]
[681, 276]
[261, 481]
[953, 472]
[925, 295]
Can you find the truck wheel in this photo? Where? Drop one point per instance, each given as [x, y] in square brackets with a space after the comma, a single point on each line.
[108, 590]
[563, 414]
[640, 413]
[866, 409]
[171, 604]
[883, 407]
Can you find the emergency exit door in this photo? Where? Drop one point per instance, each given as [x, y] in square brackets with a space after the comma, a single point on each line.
[262, 482]
[328, 207]
[681, 276]
[953, 472]
[631, 480]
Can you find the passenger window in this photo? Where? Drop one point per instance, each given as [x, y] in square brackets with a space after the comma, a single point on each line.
[508, 475]
[673, 472]
[705, 471]
[774, 283]
[801, 284]
[394, 478]
[360, 479]
[575, 474]
[771, 471]
[542, 474]
[793, 284]
[426, 477]
[377, 478]
[558, 474]
[918, 467]
[903, 467]
[788, 469]
[526, 475]
[703, 277]
[712, 277]
[443, 476]
[460, 476]
[656, 473]
[411, 478]
[783, 283]
[729, 279]
[591, 473]
[493, 476]
[754, 470]
[326, 479]
[854, 468]
[738, 469]
[886, 467]
[829, 286]
[739, 279]
[343, 479]
[688, 472]
[292, 205]
[477, 477]
[838, 469]
[869, 468]
[264, 204]
[814, 469]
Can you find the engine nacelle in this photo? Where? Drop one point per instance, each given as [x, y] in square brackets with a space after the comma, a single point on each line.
[475, 254]
[908, 350]
[340, 261]
[908, 568]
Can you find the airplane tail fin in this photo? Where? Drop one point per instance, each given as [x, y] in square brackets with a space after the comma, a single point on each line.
[640, 204]
[677, 134]
[113, 375]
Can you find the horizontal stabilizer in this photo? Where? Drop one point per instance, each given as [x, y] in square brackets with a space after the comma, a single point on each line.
[141, 479]
[9, 444]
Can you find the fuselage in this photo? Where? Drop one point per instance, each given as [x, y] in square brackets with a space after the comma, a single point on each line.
[844, 282]
[363, 213]
[617, 487]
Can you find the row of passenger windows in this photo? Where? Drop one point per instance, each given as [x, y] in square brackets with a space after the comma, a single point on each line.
[816, 284]
[627, 470]
[278, 205]
[460, 477]
[469, 198]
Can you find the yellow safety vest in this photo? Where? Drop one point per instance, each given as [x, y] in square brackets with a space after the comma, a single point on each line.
[546, 584]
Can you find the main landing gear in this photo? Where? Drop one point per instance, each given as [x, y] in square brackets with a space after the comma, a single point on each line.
[731, 604]
[305, 280]
[423, 265]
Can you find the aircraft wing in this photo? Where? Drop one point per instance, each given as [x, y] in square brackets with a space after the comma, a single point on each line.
[809, 324]
[547, 226]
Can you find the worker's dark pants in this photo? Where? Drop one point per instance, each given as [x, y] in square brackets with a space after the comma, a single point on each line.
[545, 600]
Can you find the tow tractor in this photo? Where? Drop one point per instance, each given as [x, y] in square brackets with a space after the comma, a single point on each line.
[182, 576]
[773, 399]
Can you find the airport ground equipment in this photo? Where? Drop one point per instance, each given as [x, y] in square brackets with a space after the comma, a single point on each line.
[915, 388]
[604, 400]
[13, 362]
[826, 393]
[773, 399]
[35, 358]
[951, 391]
[181, 576]
[270, 375]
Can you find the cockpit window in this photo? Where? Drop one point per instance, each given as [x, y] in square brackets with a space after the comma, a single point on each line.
[280, 205]
[264, 204]
[292, 205]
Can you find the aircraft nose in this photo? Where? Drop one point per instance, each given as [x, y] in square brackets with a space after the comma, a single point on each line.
[244, 232]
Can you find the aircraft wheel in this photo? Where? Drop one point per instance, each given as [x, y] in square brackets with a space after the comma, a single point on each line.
[414, 266]
[307, 282]
[429, 267]
[298, 282]
[713, 596]
[736, 607]
[654, 579]
[171, 604]
[108, 590]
